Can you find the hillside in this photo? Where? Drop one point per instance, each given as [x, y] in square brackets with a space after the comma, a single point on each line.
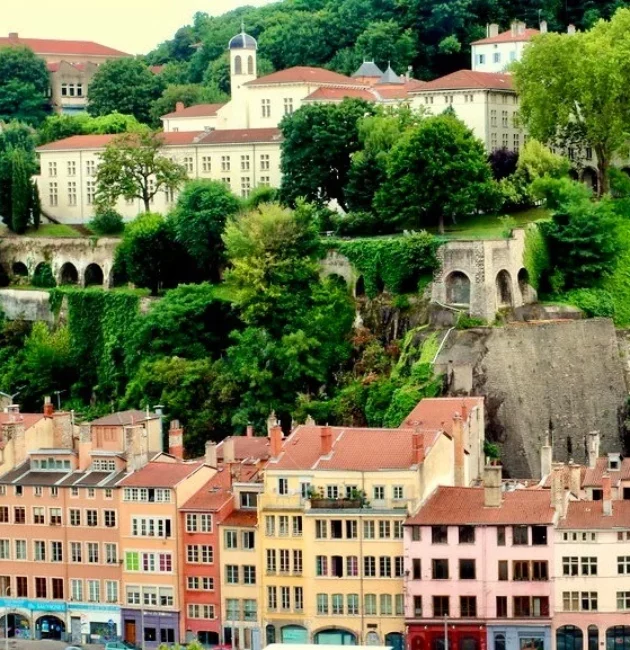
[431, 36]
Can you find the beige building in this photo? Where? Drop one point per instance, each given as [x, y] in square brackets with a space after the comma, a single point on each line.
[71, 65]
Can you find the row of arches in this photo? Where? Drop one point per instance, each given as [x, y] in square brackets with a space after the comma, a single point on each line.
[68, 274]
[238, 65]
[458, 288]
[570, 637]
[297, 634]
[47, 626]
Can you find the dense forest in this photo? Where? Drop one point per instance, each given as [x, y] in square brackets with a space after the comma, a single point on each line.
[431, 36]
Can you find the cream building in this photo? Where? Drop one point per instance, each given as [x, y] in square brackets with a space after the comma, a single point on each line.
[499, 49]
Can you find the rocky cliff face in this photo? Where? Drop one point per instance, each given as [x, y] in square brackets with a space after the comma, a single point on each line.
[557, 378]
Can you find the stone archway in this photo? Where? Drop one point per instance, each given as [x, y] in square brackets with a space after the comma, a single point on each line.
[68, 274]
[457, 289]
[505, 297]
[589, 178]
[19, 269]
[93, 276]
[50, 627]
[528, 295]
[15, 625]
[359, 287]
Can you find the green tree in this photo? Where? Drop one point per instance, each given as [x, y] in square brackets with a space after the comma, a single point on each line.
[199, 218]
[21, 193]
[133, 166]
[560, 99]
[148, 254]
[420, 188]
[189, 94]
[36, 205]
[13, 136]
[58, 127]
[24, 85]
[124, 86]
[317, 147]
[385, 42]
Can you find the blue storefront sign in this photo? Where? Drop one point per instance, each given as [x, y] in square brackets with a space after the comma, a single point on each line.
[90, 607]
[34, 605]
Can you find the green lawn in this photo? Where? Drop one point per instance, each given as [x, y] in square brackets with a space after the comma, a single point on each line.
[46, 230]
[483, 226]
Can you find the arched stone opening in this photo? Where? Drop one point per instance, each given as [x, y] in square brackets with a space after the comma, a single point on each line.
[270, 634]
[238, 65]
[5, 280]
[573, 174]
[337, 279]
[335, 636]
[68, 274]
[93, 276]
[626, 170]
[569, 637]
[504, 289]
[359, 287]
[617, 637]
[380, 284]
[458, 289]
[589, 178]
[250, 65]
[50, 627]
[19, 269]
[527, 292]
[499, 641]
[15, 626]
[593, 637]
[395, 640]
[43, 276]
[293, 634]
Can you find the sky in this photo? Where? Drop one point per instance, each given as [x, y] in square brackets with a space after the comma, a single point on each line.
[133, 26]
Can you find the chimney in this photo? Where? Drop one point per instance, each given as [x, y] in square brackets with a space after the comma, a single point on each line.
[13, 36]
[229, 454]
[326, 441]
[272, 421]
[13, 411]
[514, 27]
[571, 29]
[493, 30]
[593, 448]
[606, 495]
[49, 409]
[492, 495]
[179, 107]
[575, 478]
[418, 448]
[176, 440]
[521, 28]
[557, 488]
[249, 431]
[543, 26]
[276, 440]
[211, 453]
[459, 455]
[310, 422]
[546, 458]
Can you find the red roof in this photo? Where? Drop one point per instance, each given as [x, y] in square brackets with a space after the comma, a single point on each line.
[27, 419]
[352, 449]
[593, 476]
[198, 110]
[101, 141]
[339, 94]
[156, 69]
[242, 518]
[246, 448]
[160, 475]
[438, 412]
[305, 75]
[453, 506]
[240, 136]
[590, 514]
[214, 494]
[468, 80]
[509, 37]
[47, 46]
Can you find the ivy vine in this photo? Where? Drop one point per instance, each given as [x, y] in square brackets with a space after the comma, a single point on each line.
[395, 264]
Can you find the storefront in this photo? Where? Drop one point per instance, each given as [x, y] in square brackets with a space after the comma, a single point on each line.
[34, 619]
[149, 626]
[460, 637]
[93, 623]
[335, 636]
[519, 637]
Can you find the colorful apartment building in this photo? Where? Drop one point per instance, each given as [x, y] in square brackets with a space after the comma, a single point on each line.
[331, 524]
[479, 562]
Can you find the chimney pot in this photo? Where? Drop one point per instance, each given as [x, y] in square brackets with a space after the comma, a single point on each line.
[275, 436]
[492, 30]
[418, 448]
[179, 107]
[49, 409]
[557, 488]
[546, 458]
[250, 431]
[571, 29]
[176, 440]
[14, 36]
[607, 495]
[229, 452]
[543, 26]
[211, 453]
[593, 448]
[492, 486]
[514, 27]
[326, 441]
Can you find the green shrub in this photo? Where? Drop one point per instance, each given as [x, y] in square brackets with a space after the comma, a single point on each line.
[107, 221]
[536, 255]
[466, 322]
[43, 276]
[261, 195]
[595, 303]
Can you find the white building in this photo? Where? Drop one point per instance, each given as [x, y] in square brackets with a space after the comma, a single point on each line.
[200, 117]
[498, 50]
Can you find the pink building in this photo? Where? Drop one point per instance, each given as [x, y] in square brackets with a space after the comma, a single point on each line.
[480, 560]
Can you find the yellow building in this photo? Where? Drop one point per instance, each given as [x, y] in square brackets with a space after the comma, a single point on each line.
[331, 528]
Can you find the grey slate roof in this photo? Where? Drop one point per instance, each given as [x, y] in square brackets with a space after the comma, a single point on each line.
[390, 77]
[368, 69]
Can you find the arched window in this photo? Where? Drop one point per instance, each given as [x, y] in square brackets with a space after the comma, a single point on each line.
[69, 274]
[569, 637]
[618, 637]
[593, 637]
[93, 275]
[504, 289]
[458, 289]
[238, 65]
[20, 269]
[359, 289]
[499, 642]
[270, 633]
[250, 65]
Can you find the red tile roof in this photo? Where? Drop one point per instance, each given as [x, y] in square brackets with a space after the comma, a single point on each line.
[593, 476]
[565, 474]
[452, 506]
[240, 136]
[304, 75]
[124, 418]
[47, 46]
[468, 80]
[438, 412]
[156, 69]
[28, 419]
[589, 514]
[242, 518]
[101, 141]
[339, 94]
[198, 110]
[246, 448]
[353, 449]
[54, 67]
[509, 37]
[214, 494]
[160, 475]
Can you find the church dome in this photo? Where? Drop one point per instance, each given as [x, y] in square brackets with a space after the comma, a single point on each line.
[243, 41]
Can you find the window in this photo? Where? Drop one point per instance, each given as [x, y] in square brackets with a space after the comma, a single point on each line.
[441, 606]
[321, 565]
[370, 604]
[467, 606]
[570, 566]
[481, 58]
[352, 566]
[39, 515]
[416, 534]
[440, 569]
[52, 169]
[337, 604]
[520, 570]
[249, 500]
[94, 591]
[265, 163]
[188, 164]
[75, 517]
[231, 539]
[249, 609]
[322, 604]
[207, 554]
[623, 600]
[398, 530]
[386, 605]
[283, 525]
[266, 107]
[297, 562]
[39, 490]
[19, 515]
[76, 590]
[57, 588]
[466, 534]
[20, 549]
[245, 165]
[40, 588]
[19, 490]
[379, 492]
[384, 529]
[284, 561]
[270, 525]
[589, 601]
[272, 598]
[76, 552]
[369, 566]
[332, 491]
[505, 140]
[92, 553]
[321, 529]
[503, 570]
[225, 163]
[520, 535]
[522, 606]
[539, 535]
[231, 574]
[385, 566]
[353, 604]
[540, 570]
[467, 570]
[623, 564]
[439, 534]
[288, 105]
[72, 168]
[588, 566]
[111, 553]
[72, 193]
[111, 591]
[56, 552]
[90, 192]
[191, 523]
[351, 529]
[39, 551]
[110, 518]
[297, 526]
[416, 569]
[369, 529]
[271, 560]
[91, 517]
[417, 606]
[249, 574]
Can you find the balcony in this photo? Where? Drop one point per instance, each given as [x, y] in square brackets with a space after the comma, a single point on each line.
[322, 503]
[281, 502]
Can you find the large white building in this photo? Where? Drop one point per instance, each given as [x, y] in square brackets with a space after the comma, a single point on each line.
[500, 49]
